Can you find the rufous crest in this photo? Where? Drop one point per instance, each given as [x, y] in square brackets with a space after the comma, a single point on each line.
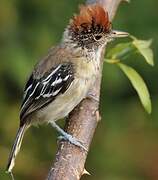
[91, 17]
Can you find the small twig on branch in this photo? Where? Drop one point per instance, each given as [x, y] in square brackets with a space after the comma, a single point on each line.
[70, 160]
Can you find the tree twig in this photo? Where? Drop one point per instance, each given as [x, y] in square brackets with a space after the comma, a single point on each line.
[70, 160]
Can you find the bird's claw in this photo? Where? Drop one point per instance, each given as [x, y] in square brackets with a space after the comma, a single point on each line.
[73, 141]
[93, 97]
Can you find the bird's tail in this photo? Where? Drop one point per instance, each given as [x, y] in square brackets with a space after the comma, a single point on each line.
[16, 147]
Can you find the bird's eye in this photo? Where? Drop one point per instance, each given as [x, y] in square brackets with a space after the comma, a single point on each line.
[97, 37]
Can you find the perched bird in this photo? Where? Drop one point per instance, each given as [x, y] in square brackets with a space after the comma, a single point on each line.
[63, 78]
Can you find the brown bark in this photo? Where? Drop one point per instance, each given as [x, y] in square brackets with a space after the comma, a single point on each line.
[70, 160]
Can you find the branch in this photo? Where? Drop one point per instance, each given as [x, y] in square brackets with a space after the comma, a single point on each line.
[70, 160]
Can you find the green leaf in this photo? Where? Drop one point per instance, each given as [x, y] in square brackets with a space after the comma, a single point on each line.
[139, 85]
[120, 51]
[145, 50]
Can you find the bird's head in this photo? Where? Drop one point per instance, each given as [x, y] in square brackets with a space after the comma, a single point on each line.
[91, 28]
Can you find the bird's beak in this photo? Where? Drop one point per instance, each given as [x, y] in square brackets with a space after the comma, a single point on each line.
[118, 34]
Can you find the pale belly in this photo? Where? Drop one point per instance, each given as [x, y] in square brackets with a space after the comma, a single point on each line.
[66, 102]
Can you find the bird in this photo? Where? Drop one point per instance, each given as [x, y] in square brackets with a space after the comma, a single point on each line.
[63, 78]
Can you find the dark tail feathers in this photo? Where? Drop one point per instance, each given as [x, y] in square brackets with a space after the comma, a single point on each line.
[16, 148]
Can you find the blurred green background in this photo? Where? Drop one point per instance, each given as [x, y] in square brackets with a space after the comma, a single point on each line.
[125, 146]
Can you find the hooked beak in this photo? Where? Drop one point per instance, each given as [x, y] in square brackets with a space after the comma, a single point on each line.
[118, 34]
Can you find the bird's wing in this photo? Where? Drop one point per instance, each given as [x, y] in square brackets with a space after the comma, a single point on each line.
[41, 91]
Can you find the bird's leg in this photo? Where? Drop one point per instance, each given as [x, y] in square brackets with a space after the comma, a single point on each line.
[68, 137]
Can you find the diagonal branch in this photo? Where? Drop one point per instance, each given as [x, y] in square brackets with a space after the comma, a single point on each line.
[70, 160]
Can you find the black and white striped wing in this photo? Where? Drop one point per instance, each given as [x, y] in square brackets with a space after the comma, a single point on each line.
[39, 92]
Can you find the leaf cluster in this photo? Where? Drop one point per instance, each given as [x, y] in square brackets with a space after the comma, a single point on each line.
[121, 52]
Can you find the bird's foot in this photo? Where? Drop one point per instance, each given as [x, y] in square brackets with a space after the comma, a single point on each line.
[72, 140]
[68, 137]
[93, 97]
